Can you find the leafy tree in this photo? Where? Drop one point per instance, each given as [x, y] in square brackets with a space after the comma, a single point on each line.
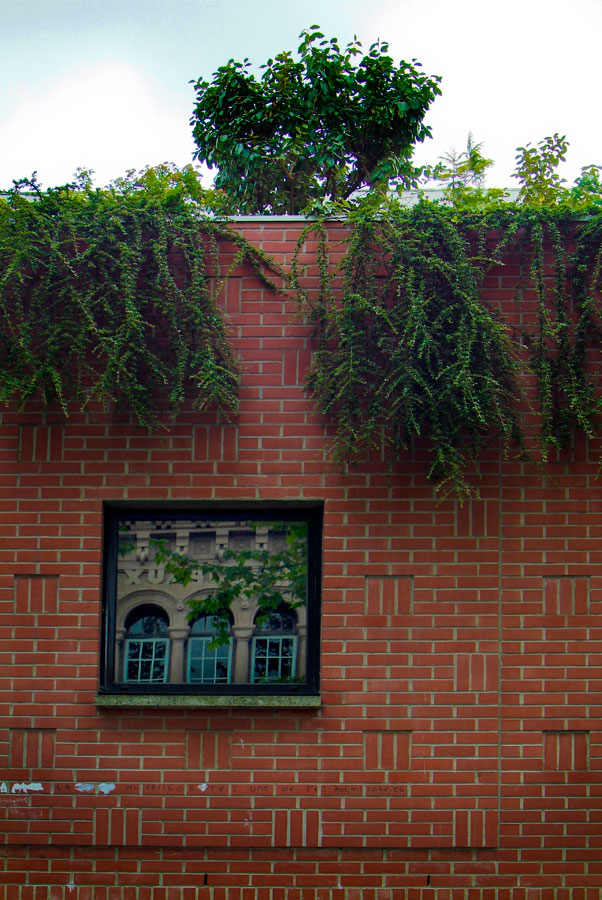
[463, 177]
[466, 168]
[316, 127]
[540, 183]
[272, 577]
[171, 185]
[587, 189]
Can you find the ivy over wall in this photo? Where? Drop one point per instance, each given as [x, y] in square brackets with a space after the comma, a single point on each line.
[110, 296]
[410, 349]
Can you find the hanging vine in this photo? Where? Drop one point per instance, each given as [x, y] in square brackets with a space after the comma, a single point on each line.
[559, 336]
[408, 350]
[110, 296]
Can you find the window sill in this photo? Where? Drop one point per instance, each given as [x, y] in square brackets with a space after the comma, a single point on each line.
[190, 701]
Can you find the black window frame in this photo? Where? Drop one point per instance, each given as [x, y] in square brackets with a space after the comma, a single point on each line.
[114, 513]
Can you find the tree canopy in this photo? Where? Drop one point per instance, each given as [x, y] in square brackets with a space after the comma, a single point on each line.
[313, 128]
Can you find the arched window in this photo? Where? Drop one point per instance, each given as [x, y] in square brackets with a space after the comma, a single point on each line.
[146, 659]
[207, 662]
[275, 648]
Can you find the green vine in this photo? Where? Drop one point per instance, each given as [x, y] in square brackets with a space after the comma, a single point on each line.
[557, 340]
[110, 296]
[409, 350]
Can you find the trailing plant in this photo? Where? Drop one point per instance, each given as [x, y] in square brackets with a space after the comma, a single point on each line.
[408, 351]
[110, 296]
[561, 330]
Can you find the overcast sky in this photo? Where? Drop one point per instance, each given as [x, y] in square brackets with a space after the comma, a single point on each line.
[104, 84]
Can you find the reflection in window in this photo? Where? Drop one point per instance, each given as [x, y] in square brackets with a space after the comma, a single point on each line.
[177, 578]
[275, 648]
[146, 646]
[208, 663]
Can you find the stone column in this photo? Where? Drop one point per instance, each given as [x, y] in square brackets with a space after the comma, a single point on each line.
[177, 638]
[242, 652]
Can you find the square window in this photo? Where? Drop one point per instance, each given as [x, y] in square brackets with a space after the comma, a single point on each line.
[211, 599]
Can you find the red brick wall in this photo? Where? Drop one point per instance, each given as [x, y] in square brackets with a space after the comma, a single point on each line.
[457, 752]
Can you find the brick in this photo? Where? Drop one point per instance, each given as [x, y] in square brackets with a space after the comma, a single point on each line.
[209, 750]
[387, 750]
[41, 443]
[114, 826]
[475, 828]
[36, 593]
[476, 672]
[388, 595]
[566, 596]
[389, 791]
[296, 828]
[31, 748]
[565, 750]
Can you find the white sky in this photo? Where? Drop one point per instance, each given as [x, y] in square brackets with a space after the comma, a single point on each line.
[104, 84]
